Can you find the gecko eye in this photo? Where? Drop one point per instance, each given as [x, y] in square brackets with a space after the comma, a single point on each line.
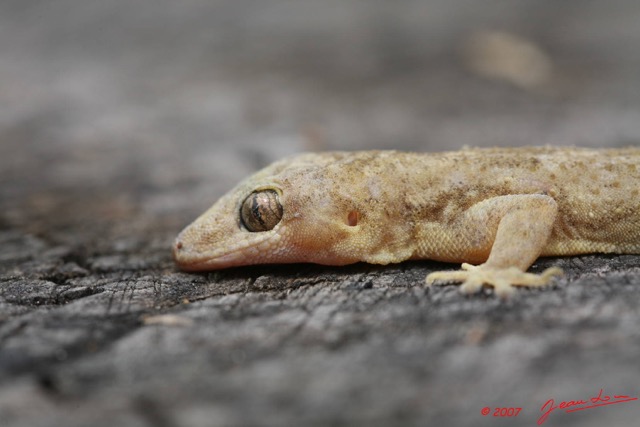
[261, 211]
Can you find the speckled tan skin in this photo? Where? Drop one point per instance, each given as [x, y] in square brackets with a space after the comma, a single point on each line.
[500, 208]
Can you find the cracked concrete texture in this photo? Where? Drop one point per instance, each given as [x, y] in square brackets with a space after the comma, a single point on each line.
[121, 123]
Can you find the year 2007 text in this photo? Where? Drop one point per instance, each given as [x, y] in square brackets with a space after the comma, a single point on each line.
[502, 412]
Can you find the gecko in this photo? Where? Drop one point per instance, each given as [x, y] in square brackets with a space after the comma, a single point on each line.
[495, 210]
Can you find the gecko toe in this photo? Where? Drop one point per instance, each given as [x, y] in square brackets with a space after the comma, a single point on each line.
[471, 286]
[446, 277]
[503, 280]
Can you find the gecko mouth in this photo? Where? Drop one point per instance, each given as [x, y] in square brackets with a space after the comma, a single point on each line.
[188, 260]
[191, 258]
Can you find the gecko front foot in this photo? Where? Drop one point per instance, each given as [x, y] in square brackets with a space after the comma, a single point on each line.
[502, 279]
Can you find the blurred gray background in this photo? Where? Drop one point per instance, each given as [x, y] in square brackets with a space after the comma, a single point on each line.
[208, 91]
[120, 121]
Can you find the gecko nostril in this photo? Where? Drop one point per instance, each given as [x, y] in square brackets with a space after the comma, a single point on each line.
[179, 245]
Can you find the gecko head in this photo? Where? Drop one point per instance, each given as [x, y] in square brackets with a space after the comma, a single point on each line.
[280, 215]
[238, 229]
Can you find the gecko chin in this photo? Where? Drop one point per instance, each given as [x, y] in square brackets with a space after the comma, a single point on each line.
[206, 264]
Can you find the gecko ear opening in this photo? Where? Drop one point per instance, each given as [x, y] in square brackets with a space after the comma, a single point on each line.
[261, 211]
[353, 218]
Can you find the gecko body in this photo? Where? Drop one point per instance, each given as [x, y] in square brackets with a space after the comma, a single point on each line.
[495, 210]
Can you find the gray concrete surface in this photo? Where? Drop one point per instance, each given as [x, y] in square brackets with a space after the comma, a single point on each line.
[122, 121]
